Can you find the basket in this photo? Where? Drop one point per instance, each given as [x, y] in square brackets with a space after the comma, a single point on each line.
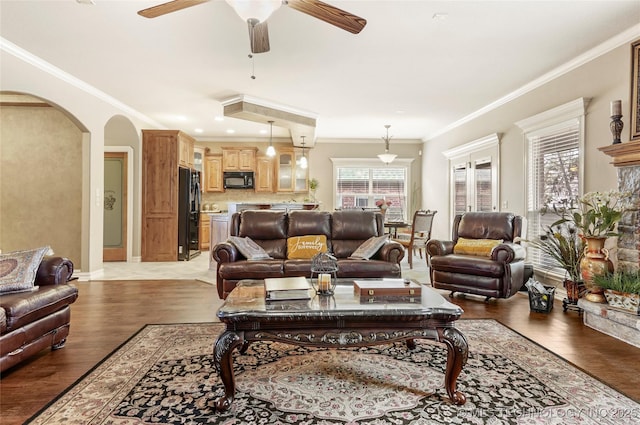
[542, 303]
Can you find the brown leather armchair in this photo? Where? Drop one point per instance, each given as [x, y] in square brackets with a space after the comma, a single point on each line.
[497, 274]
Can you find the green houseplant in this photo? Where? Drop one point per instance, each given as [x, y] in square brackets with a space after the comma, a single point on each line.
[621, 289]
[564, 246]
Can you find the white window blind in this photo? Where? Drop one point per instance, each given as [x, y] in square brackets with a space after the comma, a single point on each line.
[553, 179]
[361, 186]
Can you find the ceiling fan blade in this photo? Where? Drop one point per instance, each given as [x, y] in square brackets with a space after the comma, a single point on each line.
[259, 36]
[172, 6]
[330, 14]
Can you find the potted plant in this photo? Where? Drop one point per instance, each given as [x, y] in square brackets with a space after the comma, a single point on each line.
[621, 289]
[562, 244]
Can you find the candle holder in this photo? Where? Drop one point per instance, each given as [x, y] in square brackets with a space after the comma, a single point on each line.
[616, 127]
[324, 273]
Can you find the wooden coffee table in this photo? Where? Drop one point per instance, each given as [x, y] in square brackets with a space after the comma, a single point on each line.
[336, 321]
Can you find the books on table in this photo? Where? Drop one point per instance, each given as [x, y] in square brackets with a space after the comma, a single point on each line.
[287, 288]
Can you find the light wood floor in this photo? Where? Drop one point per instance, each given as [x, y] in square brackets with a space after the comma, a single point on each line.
[107, 313]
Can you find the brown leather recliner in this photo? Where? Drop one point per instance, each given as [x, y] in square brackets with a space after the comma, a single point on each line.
[499, 274]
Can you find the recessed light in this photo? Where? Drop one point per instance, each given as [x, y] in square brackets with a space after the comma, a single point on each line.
[219, 118]
[230, 131]
[263, 131]
[198, 130]
[440, 16]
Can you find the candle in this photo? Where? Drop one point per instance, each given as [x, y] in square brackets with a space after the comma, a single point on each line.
[616, 107]
[325, 282]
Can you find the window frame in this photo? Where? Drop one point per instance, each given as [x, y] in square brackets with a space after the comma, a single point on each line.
[405, 163]
[554, 121]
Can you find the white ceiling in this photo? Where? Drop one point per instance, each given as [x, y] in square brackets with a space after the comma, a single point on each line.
[405, 68]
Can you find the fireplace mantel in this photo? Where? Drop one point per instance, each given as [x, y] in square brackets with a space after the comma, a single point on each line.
[623, 154]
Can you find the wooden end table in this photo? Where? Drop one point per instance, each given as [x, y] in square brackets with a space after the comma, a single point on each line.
[340, 320]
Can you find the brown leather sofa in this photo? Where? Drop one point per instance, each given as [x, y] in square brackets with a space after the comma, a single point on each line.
[499, 274]
[32, 321]
[345, 230]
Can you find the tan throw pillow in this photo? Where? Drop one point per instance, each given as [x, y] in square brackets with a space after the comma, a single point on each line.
[18, 270]
[369, 247]
[305, 247]
[479, 247]
[249, 248]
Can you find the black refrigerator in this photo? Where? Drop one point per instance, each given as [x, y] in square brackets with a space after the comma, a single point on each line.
[188, 214]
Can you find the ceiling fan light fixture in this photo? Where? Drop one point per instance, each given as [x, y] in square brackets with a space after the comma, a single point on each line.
[255, 9]
[387, 157]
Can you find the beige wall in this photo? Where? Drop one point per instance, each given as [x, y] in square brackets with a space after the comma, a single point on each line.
[603, 79]
[40, 181]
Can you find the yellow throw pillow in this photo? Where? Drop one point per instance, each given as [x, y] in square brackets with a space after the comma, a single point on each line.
[305, 247]
[480, 247]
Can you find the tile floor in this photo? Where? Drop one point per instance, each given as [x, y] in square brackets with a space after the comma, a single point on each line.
[198, 269]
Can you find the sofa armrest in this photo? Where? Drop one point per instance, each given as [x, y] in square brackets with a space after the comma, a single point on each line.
[54, 271]
[508, 252]
[438, 247]
[225, 252]
[391, 251]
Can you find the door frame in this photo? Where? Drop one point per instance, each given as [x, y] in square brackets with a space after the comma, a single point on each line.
[128, 150]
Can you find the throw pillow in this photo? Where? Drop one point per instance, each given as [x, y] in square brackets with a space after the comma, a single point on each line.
[305, 247]
[18, 270]
[479, 247]
[249, 248]
[369, 247]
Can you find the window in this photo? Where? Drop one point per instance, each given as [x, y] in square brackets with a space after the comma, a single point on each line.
[554, 143]
[360, 183]
[474, 175]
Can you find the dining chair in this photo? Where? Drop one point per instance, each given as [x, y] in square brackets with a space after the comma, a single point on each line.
[418, 235]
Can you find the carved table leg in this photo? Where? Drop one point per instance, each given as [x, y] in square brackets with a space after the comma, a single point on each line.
[457, 354]
[223, 362]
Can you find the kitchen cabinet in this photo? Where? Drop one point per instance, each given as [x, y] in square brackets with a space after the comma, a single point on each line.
[198, 163]
[185, 146]
[213, 173]
[162, 154]
[205, 232]
[238, 159]
[264, 174]
[290, 176]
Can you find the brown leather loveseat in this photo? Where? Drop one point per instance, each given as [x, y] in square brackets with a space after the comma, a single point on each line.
[482, 258]
[34, 320]
[345, 231]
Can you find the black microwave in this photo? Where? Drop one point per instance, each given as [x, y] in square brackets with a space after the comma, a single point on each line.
[238, 179]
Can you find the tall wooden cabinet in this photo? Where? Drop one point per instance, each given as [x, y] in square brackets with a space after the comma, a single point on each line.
[264, 174]
[163, 151]
[290, 176]
[213, 173]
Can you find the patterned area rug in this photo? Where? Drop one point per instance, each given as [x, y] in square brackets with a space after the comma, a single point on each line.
[164, 375]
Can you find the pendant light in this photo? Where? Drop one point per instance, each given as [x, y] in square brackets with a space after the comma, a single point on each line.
[303, 161]
[271, 151]
[387, 157]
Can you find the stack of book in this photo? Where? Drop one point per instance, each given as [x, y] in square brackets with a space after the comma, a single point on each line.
[287, 288]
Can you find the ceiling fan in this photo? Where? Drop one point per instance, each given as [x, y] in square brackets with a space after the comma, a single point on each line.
[256, 12]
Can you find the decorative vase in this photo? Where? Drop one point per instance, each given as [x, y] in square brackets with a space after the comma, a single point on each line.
[595, 263]
[575, 290]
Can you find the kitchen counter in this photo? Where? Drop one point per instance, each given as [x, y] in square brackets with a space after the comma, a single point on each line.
[288, 206]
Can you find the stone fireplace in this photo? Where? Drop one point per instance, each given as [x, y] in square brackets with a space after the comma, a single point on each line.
[621, 325]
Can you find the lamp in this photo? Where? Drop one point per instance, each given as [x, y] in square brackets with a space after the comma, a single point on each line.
[271, 151]
[387, 157]
[303, 161]
[257, 10]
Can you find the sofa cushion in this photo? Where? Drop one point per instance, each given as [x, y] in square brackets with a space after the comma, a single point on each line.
[305, 247]
[369, 247]
[18, 269]
[481, 247]
[247, 247]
